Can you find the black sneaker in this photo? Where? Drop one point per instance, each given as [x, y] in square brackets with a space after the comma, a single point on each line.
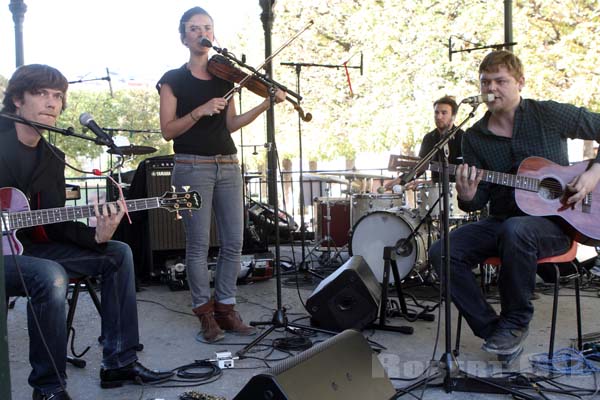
[505, 341]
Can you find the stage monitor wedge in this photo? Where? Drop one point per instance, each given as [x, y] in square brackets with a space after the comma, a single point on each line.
[349, 298]
[341, 368]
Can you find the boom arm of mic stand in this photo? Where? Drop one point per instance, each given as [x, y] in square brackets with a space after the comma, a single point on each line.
[336, 66]
[65, 132]
[409, 176]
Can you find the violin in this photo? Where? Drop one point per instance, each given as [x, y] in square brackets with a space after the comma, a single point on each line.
[222, 68]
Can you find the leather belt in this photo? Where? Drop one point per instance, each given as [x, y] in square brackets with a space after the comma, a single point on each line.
[215, 161]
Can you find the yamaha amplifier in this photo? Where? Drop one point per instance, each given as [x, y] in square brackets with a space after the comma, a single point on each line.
[165, 231]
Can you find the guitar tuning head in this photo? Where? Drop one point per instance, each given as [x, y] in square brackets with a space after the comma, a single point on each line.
[173, 188]
[177, 215]
[186, 188]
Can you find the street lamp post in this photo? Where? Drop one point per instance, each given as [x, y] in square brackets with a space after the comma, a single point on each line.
[18, 9]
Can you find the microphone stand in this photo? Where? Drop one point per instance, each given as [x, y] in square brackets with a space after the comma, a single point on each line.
[454, 377]
[70, 131]
[303, 266]
[279, 319]
[65, 132]
[4, 364]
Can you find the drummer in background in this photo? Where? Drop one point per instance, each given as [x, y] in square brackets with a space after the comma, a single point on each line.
[444, 114]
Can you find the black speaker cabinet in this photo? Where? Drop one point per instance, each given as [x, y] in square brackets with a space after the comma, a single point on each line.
[348, 298]
[166, 232]
[340, 368]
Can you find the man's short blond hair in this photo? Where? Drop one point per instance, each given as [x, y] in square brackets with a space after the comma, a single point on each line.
[494, 60]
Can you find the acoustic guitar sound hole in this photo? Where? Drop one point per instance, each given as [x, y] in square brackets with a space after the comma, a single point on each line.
[550, 189]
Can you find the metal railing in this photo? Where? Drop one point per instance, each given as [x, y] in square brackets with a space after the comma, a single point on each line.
[319, 187]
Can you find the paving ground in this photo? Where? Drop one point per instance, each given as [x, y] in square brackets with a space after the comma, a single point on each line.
[168, 329]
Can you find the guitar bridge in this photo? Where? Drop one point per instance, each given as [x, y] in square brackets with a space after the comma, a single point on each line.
[586, 205]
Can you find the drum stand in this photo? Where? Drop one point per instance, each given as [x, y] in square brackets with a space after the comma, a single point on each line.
[402, 248]
[389, 257]
[328, 239]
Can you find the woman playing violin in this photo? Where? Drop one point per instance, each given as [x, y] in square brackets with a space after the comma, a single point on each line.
[199, 120]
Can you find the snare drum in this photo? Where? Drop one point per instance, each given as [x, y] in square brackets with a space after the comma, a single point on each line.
[366, 203]
[381, 229]
[426, 199]
[333, 219]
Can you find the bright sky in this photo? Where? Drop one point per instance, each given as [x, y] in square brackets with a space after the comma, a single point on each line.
[135, 39]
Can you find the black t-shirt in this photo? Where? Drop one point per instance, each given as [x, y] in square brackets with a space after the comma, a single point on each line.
[209, 136]
[28, 158]
[454, 146]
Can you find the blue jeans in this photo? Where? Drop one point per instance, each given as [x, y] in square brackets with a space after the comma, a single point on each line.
[218, 180]
[520, 242]
[46, 270]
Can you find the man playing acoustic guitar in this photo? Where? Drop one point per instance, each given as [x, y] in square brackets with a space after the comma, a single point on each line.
[51, 254]
[512, 130]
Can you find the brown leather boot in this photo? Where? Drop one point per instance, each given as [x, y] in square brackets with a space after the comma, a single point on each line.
[230, 320]
[209, 331]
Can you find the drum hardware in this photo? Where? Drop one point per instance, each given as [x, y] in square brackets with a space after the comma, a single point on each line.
[390, 253]
[365, 203]
[133, 150]
[326, 259]
[380, 229]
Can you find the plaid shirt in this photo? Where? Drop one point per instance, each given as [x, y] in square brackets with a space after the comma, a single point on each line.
[541, 128]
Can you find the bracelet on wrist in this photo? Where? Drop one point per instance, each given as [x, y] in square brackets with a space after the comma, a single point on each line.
[192, 117]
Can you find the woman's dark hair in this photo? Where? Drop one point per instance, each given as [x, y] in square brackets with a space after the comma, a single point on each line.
[32, 78]
[186, 17]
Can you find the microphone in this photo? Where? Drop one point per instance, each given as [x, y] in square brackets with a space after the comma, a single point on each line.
[481, 98]
[398, 189]
[204, 42]
[404, 247]
[361, 63]
[87, 120]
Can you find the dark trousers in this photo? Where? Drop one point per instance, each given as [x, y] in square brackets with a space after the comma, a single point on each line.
[520, 242]
[46, 269]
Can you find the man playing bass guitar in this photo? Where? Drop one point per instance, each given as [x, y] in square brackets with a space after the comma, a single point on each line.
[54, 252]
[512, 129]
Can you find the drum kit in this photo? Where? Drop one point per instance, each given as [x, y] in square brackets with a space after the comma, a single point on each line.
[365, 222]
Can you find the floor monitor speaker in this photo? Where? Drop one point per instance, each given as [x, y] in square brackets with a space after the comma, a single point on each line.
[348, 298]
[341, 368]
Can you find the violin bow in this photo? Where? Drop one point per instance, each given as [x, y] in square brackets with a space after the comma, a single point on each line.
[267, 60]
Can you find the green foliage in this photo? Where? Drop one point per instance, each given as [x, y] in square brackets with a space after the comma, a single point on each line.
[132, 109]
[406, 67]
[405, 47]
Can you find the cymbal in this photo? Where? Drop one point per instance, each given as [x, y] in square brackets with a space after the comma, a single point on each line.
[132, 150]
[324, 178]
[359, 175]
[405, 157]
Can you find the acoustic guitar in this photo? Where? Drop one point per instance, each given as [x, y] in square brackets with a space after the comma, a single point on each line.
[541, 189]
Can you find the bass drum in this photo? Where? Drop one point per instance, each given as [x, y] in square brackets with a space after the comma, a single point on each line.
[382, 229]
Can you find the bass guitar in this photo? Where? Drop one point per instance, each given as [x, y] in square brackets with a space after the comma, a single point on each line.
[16, 213]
